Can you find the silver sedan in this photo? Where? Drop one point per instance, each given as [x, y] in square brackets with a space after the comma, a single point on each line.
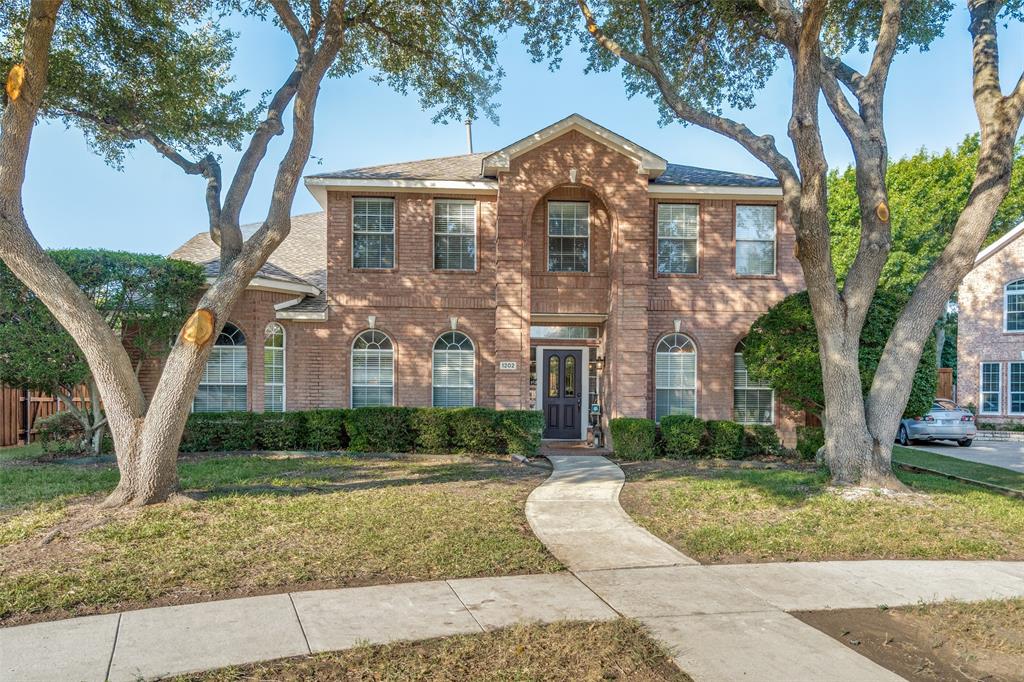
[945, 421]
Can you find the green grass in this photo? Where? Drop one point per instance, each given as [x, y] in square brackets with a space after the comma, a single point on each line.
[264, 524]
[21, 453]
[984, 473]
[741, 515]
[588, 652]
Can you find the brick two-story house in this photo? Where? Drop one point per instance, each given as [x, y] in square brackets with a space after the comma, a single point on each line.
[572, 268]
[990, 332]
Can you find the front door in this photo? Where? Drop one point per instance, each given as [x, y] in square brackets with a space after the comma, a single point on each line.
[562, 393]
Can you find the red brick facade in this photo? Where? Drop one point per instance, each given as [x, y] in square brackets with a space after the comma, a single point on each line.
[511, 289]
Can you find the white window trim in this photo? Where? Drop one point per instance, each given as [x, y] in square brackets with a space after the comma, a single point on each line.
[696, 375]
[433, 385]
[1009, 391]
[476, 239]
[1006, 308]
[736, 241]
[981, 385]
[248, 406]
[771, 421]
[547, 231]
[351, 368]
[284, 367]
[393, 233]
[658, 238]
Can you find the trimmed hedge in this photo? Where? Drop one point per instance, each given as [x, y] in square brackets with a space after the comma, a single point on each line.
[725, 439]
[760, 439]
[633, 438]
[368, 429]
[683, 436]
[808, 440]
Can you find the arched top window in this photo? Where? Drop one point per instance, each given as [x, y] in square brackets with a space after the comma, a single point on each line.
[1013, 307]
[454, 370]
[373, 369]
[675, 376]
[273, 368]
[224, 384]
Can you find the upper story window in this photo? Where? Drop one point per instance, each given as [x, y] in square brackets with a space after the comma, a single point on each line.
[568, 236]
[677, 238]
[454, 234]
[755, 240]
[224, 384]
[373, 233]
[1013, 306]
[675, 376]
[273, 368]
[373, 369]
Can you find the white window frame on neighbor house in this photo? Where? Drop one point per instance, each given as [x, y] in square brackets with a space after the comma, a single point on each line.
[472, 234]
[460, 354]
[1009, 388]
[758, 386]
[1006, 306]
[390, 353]
[659, 238]
[563, 236]
[681, 387]
[774, 240]
[273, 357]
[370, 233]
[231, 343]
[998, 391]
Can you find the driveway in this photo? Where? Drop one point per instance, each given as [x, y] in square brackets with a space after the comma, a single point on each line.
[1005, 454]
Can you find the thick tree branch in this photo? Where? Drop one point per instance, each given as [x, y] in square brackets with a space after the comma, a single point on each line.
[294, 27]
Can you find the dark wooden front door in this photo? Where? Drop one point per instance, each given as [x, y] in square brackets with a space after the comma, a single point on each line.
[563, 393]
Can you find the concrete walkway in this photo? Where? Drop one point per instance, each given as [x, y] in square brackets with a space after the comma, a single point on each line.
[730, 622]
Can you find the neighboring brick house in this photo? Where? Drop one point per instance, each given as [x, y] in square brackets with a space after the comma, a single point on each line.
[990, 332]
[569, 269]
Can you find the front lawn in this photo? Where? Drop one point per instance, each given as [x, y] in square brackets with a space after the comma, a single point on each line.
[261, 524]
[588, 652]
[975, 471]
[737, 515]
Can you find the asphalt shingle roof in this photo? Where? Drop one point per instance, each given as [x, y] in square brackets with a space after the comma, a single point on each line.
[677, 174]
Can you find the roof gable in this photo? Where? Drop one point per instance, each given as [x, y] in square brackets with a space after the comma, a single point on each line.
[998, 244]
[647, 161]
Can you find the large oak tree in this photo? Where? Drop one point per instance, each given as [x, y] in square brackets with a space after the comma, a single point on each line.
[154, 72]
[695, 56]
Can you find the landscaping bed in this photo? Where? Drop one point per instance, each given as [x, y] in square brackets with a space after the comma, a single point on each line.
[960, 642]
[588, 652]
[261, 523]
[721, 512]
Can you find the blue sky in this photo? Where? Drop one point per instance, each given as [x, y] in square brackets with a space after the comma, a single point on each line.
[73, 199]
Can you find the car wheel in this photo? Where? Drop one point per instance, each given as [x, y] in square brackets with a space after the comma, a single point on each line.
[903, 437]
[965, 443]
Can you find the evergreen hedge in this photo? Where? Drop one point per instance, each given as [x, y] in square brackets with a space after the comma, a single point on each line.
[685, 437]
[634, 438]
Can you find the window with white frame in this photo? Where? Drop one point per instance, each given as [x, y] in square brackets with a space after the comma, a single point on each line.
[454, 371]
[677, 238]
[373, 369]
[1013, 306]
[373, 233]
[568, 236]
[755, 240]
[454, 234]
[1015, 386]
[224, 384]
[273, 368]
[753, 401]
[675, 376]
[990, 388]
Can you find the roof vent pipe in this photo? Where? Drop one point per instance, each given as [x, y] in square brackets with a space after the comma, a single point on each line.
[469, 134]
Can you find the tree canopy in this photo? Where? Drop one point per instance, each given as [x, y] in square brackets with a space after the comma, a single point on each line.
[782, 349]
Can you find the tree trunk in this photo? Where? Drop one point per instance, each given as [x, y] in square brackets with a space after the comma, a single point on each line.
[940, 340]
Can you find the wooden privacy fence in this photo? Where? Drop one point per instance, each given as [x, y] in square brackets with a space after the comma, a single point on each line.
[945, 388]
[20, 409]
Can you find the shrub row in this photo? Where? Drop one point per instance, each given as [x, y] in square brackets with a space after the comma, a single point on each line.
[62, 434]
[809, 440]
[683, 436]
[368, 429]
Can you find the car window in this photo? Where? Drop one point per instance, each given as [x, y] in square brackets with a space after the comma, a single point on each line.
[944, 405]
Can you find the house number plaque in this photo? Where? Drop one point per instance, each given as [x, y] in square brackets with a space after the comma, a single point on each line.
[508, 365]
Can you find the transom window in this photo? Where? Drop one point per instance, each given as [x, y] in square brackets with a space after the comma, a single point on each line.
[1016, 387]
[677, 238]
[224, 384]
[753, 401]
[1014, 306]
[568, 236]
[990, 387]
[373, 233]
[373, 369]
[273, 368]
[454, 234]
[755, 240]
[454, 370]
[675, 376]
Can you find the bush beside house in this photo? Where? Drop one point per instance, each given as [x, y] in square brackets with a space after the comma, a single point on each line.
[685, 437]
[368, 429]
